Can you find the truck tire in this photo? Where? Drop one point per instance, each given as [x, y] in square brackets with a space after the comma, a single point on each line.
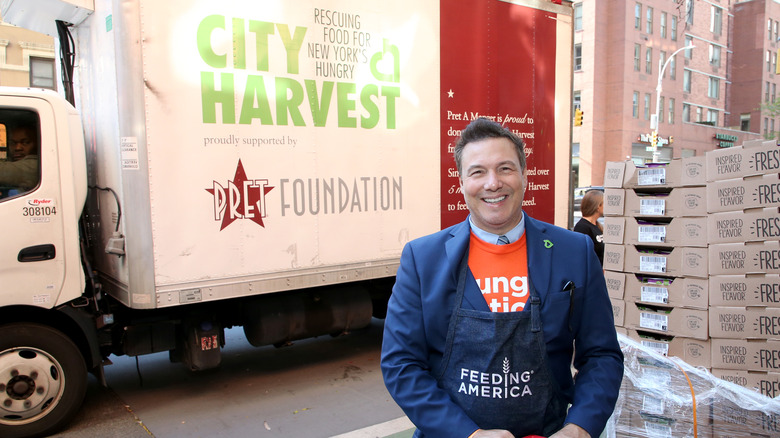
[43, 379]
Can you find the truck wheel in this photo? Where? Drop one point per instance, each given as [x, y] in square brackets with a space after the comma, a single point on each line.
[43, 379]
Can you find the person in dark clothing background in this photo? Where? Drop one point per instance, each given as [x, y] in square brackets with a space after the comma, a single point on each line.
[592, 209]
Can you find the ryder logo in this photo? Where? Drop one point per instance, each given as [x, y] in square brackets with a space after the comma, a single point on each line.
[241, 198]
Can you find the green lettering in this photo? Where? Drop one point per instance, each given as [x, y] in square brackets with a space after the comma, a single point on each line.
[370, 106]
[391, 93]
[205, 29]
[210, 97]
[345, 104]
[289, 97]
[255, 91]
[292, 44]
[395, 76]
[263, 30]
[239, 45]
[319, 105]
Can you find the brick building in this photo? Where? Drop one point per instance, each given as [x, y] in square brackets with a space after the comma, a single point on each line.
[619, 47]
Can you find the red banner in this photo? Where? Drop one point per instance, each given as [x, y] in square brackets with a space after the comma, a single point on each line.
[498, 61]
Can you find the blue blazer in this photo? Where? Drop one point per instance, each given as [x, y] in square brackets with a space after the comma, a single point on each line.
[421, 305]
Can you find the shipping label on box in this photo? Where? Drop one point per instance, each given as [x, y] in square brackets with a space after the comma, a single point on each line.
[744, 322]
[744, 226]
[744, 258]
[757, 158]
[764, 382]
[676, 321]
[616, 284]
[687, 292]
[745, 290]
[743, 193]
[695, 352]
[675, 262]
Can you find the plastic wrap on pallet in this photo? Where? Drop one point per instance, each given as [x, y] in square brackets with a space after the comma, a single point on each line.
[666, 397]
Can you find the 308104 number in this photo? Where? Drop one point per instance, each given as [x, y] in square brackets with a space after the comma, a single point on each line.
[39, 211]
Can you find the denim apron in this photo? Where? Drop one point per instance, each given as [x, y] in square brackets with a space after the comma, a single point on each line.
[495, 367]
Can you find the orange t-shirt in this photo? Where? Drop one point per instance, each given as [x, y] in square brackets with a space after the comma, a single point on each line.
[501, 272]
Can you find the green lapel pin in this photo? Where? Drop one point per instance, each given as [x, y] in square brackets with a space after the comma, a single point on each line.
[548, 244]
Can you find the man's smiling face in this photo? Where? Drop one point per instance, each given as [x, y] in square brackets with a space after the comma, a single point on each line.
[493, 184]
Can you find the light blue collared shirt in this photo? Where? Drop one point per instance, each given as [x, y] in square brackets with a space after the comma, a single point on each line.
[513, 235]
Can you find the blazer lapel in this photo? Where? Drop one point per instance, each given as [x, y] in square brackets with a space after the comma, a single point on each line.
[539, 255]
[455, 249]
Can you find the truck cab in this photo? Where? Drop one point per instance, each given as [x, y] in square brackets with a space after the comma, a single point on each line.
[43, 188]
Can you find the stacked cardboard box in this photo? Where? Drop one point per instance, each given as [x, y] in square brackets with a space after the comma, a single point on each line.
[655, 258]
[743, 197]
[666, 397]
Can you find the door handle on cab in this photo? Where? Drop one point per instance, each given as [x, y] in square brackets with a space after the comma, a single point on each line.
[37, 253]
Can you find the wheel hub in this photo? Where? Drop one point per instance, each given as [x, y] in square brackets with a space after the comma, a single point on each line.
[20, 387]
[29, 380]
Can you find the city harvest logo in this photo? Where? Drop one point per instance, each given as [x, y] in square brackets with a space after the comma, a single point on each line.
[496, 385]
[242, 198]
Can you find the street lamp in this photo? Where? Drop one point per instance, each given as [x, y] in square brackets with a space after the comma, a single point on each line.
[654, 120]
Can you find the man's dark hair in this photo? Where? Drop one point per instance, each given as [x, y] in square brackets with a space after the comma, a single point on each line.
[481, 129]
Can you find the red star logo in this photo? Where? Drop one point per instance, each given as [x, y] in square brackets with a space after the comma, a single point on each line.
[240, 201]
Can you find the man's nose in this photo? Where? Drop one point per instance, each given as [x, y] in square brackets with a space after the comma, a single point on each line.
[492, 182]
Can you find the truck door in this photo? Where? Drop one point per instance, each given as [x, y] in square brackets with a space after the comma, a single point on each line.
[31, 227]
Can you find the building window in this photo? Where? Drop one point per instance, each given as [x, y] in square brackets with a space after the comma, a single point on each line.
[688, 42]
[698, 114]
[766, 124]
[686, 112]
[635, 105]
[687, 81]
[689, 11]
[577, 57]
[638, 16]
[744, 122]
[714, 89]
[776, 26]
[578, 16]
[637, 54]
[712, 117]
[772, 127]
[766, 93]
[774, 92]
[671, 111]
[715, 55]
[649, 26]
[663, 24]
[660, 110]
[673, 68]
[661, 62]
[649, 61]
[674, 28]
[42, 73]
[577, 99]
[774, 63]
[647, 107]
[768, 62]
[769, 29]
[716, 20]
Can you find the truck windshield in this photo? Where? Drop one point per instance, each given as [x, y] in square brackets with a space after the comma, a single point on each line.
[19, 152]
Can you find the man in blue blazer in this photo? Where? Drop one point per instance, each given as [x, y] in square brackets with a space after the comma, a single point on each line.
[460, 367]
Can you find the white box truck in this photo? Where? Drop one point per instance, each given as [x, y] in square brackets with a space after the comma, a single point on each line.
[207, 165]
